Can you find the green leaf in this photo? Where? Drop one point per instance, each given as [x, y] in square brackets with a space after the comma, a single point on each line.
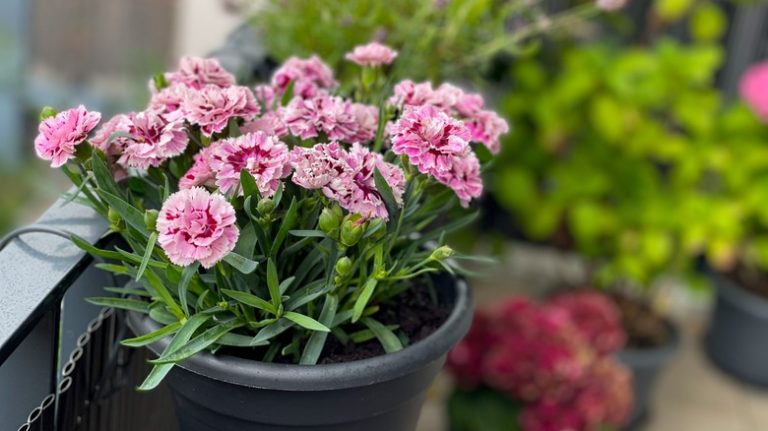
[305, 321]
[386, 194]
[238, 340]
[151, 337]
[288, 221]
[246, 244]
[86, 246]
[273, 284]
[69, 197]
[367, 335]
[181, 338]
[127, 291]
[156, 283]
[127, 212]
[248, 184]
[316, 341]
[159, 313]
[272, 330]
[186, 276]
[249, 299]
[303, 233]
[285, 284]
[121, 303]
[147, 255]
[197, 344]
[362, 300]
[288, 95]
[104, 177]
[240, 263]
[387, 338]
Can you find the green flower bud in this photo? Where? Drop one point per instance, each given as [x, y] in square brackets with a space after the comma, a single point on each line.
[352, 229]
[47, 112]
[330, 220]
[441, 253]
[343, 266]
[114, 220]
[150, 219]
[265, 207]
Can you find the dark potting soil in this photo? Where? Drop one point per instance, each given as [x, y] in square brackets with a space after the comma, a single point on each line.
[414, 311]
[645, 327]
[752, 280]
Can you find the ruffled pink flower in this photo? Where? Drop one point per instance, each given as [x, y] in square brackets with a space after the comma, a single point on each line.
[372, 54]
[333, 116]
[264, 156]
[113, 145]
[270, 123]
[430, 138]
[754, 89]
[463, 178]
[347, 177]
[59, 135]
[212, 107]
[196, 73]
[195, 225]
[153, 140]
[169, 101]
[487, 127]
[408, 93]
[266, 96]
[310, 77]
[200, 174]
[595, 316]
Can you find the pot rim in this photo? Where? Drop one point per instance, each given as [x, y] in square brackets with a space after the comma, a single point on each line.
[306, 378]
[731, 291]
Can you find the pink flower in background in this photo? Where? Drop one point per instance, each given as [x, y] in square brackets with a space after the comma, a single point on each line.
[195, 225]
[347, 177]
[606, 396]
[336, 118]
[463, 178]
[610, 5]
[120, 123]
[264, 156]
[408, 93]
[310, 77]
[59, 135]
[469, 104]
[153, 140]
[200, 174]
[487, 127]
[596, 317]
[196, 72]
[366, 122]
[270, 123]
[169, 101]
[212, 107]
[754, 89]
[550, 415]
[372, 54]
[266, 96]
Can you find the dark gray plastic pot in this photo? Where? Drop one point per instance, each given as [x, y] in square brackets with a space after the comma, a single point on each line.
[385, 393]
[646, 365]
[736, 341]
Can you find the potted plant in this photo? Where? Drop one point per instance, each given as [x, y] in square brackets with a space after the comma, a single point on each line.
[549, 366]
[287, 267]
[740, 317]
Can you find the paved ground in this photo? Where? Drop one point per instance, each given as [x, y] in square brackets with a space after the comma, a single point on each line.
[691, 394]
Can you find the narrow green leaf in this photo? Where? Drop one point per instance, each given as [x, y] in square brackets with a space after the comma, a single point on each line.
[151, 337]
[315, 233]
[362, 300]
[387, 338]
[240, 263]
[305, 321]
[104, 177]
[386, 194]
[86, 246]
[272, 330]
[181, 338]
[121, 303]
[288, 95]
[249, 299]
[238, 340]
[246, 243]
[127, 291]
[159, 313]
[116, 269]
[127, 212]
[162, 292]
[186, 276]
[248, 184]
[273, 284]
[70, 197]
[198, 343]
[367, 335]
[147, 254]
[316, 341]
[288, 221]
[285, 284]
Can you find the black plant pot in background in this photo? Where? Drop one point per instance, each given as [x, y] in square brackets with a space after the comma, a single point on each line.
[737, 341]
[385, 393]
[646, 364]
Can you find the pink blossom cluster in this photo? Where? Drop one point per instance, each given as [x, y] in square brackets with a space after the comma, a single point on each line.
[310, 77]
[543, 356]
[59, 135]
[754, 89]
[485, 126]
[333, 117]
[347, 177]
[372, 54]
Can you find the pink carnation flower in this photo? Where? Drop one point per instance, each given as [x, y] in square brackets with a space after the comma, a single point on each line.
[372, 54]
[463, 178]
[212, 107]
[595, 316]
[59, 135]
[264, 156]
[195, 225]
[153, 140]
[408, 93]
[169, 101]
[266, 96]
[270, 123]
[113, 145]
[347, 177]
[200, 174]
[336, 118]
[310, 77]
[430, 138]
[487, 127]
[196, 73]
[754, 89]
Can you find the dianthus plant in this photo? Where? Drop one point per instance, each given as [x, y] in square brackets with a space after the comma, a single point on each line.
[272, 218]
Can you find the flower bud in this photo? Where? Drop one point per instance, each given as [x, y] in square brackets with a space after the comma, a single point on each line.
[441, 253]
[352, 229]
[47, 112]
[330, 220]
[343, 266]
[265, 207]
[150, 219]
[114, 220]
